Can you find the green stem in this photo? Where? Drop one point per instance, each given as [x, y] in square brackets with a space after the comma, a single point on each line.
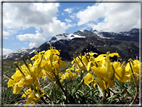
[26, 63]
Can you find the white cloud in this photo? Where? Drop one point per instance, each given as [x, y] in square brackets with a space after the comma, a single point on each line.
[38, 15]
[117, 16]
[28, 14]
[55, 27]
[69, 10]
[9, 32]
[67, 20]
[83, 28]
[5, 34]
[35, 39]
[7, 51]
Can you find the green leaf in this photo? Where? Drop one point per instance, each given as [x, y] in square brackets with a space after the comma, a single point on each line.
[100, 90]
[78, 86]
[81, 92]
[86, 93]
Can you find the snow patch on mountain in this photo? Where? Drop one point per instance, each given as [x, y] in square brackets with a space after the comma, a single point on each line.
[99, 34]
[81, 30]
[65, 37]
[32, 51]
[21, 51]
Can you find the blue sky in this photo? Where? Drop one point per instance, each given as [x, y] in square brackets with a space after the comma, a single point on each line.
[28, 25]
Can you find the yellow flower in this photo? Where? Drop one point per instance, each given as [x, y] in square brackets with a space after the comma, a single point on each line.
[106, 56]
[109, 82]
[62, 77]
[121, 74]
[116, 64]
[135, 66]
[102, 84]
[100, 57]
[32, 95]
[37, 56]
[89, 65]
[100, 71]
[88, 78]
[77, 70]
[31, 98]
[69, 74]
[27, 92]
[85, 60]
[49, 53]
[16, 89]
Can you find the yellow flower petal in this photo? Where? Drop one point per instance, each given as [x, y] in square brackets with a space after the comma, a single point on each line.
[100, 71]
[88, 78]
[109, 82]
[10, 83]
[113, 54]
[16, 89]
[116, 64]
[121, 75]
[77, 70]
[88, 66]
[102, 84]
[100, 57]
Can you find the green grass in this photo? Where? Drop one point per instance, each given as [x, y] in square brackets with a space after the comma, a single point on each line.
[7, 94]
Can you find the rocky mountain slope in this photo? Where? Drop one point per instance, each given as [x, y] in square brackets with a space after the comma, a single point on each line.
[95, 41]
[17, 54]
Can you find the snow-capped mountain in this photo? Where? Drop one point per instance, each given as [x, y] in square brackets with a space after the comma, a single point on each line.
[16, 55]
[93, 40]
[65, 36]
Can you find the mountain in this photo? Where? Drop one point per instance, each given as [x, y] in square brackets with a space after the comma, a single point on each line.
[17, 54]
[93, 40]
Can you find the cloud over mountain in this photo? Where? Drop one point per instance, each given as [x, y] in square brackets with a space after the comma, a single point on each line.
[114, 17]
[7, 51]
[35, 39]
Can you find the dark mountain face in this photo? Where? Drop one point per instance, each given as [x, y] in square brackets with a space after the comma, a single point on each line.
[99, 42]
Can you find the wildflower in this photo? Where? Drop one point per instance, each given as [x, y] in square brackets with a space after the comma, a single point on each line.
[133, 69]
[32, 95]
[102, 68]
[121, 74]
[68, 74]
[88, 78]
[25, 76]
[102, 84]
[100, 71]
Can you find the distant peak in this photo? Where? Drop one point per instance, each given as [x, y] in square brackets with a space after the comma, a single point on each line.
[81, 30]
[134, 30]
[93, 30]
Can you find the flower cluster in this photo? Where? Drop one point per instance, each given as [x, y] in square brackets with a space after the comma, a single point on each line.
[47, 64]
[102, 71]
